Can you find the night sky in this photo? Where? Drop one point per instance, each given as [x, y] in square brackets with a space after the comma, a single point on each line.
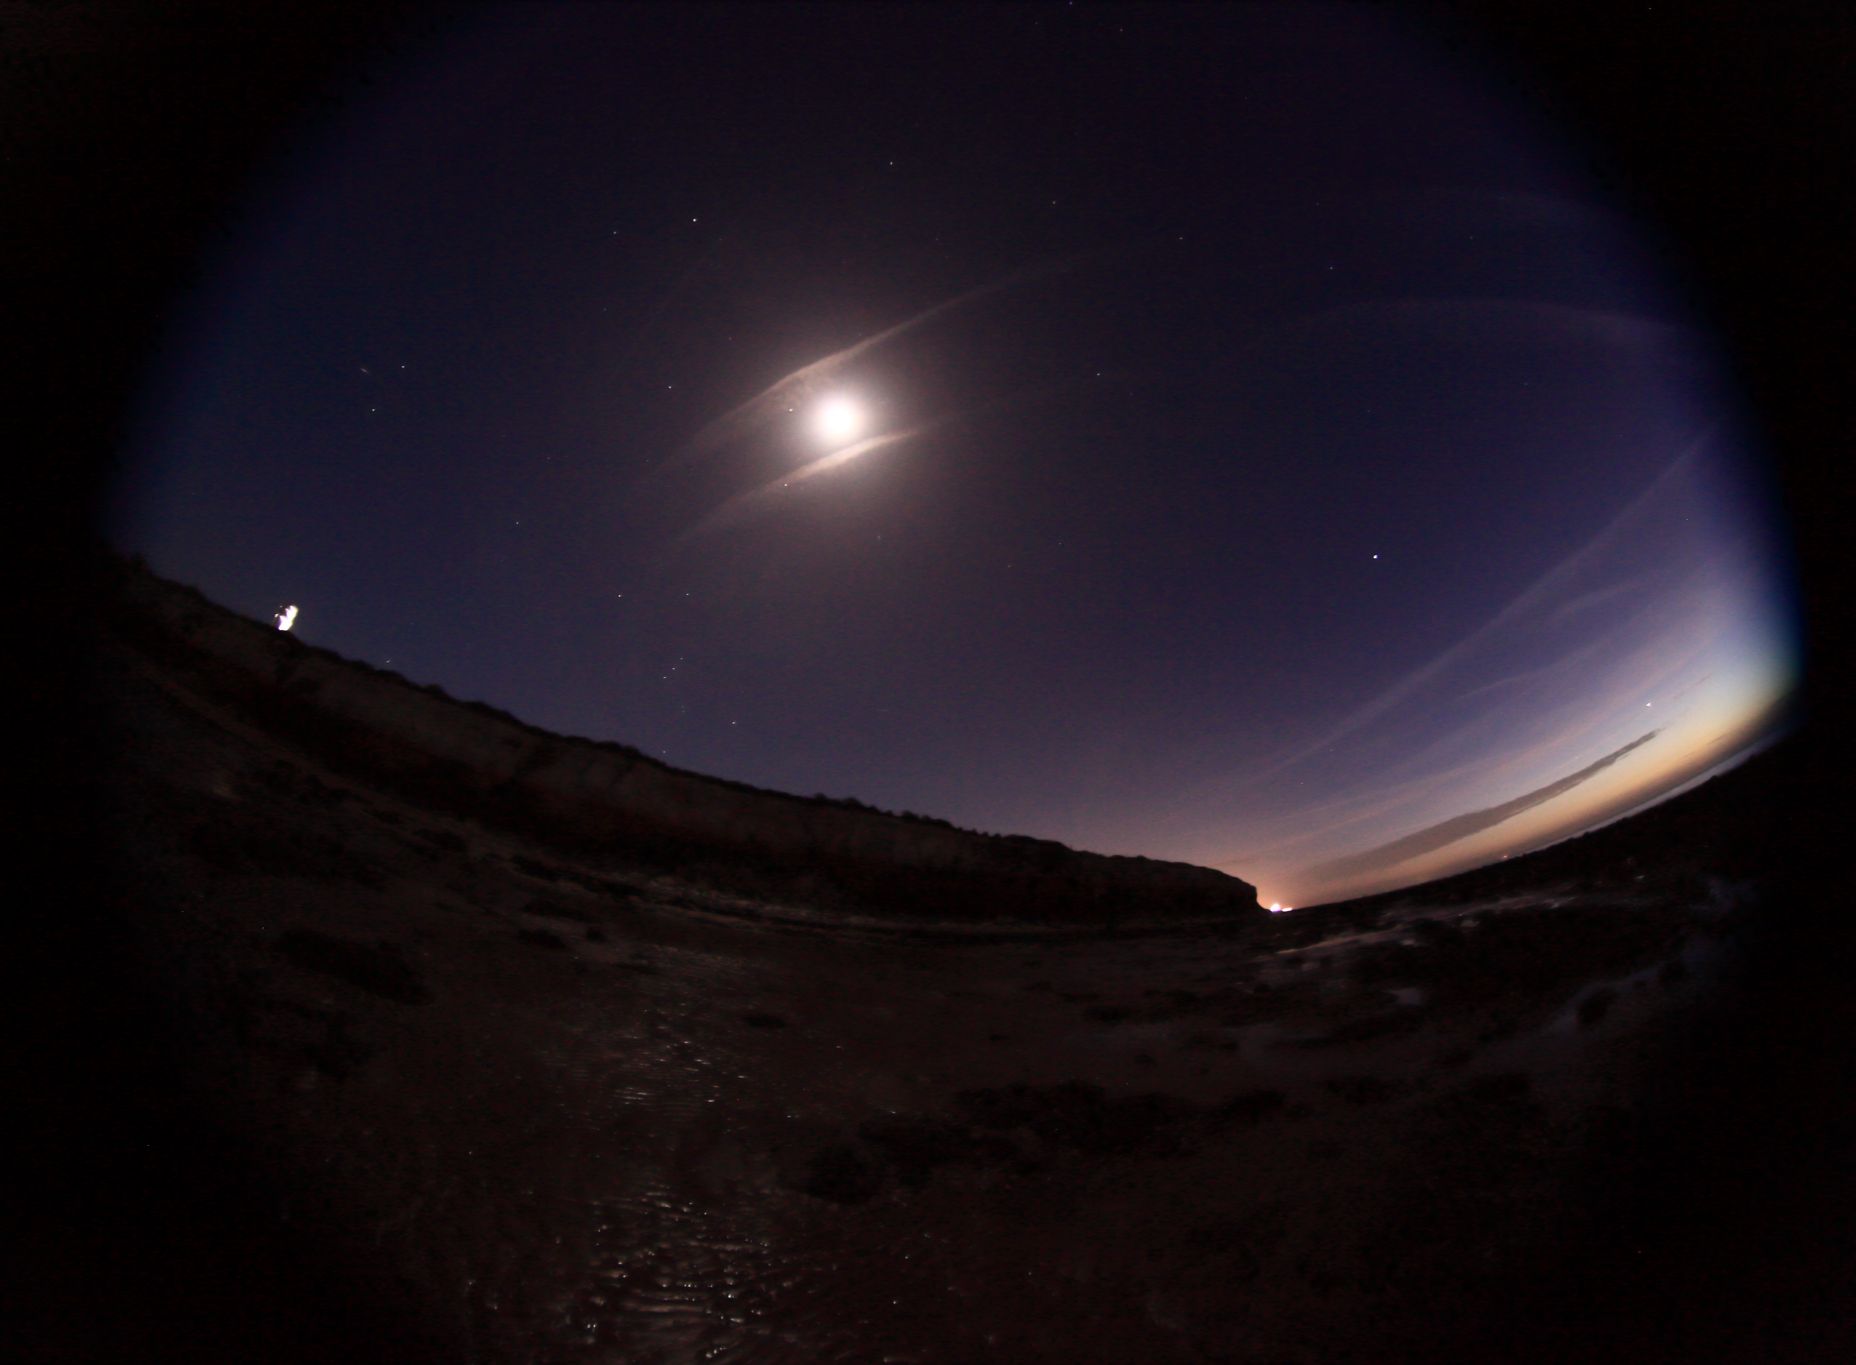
[1245, 436]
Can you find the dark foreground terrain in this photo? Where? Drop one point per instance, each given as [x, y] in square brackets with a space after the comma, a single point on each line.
[352, 1077]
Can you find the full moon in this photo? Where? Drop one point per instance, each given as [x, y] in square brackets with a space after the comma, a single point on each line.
[837, 420]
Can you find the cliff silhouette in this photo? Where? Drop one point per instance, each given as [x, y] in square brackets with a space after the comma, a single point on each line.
[604, 802]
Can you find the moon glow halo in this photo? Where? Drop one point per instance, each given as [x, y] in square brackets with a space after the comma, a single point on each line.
[837, 420]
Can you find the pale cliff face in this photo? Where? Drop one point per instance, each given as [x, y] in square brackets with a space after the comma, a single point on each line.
[595, 796]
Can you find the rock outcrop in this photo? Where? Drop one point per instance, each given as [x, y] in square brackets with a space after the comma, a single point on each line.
[602, 800]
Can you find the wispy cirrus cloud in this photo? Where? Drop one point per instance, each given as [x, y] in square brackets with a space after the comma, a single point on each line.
[807, 381]
[1446, 832]
[745, 506]
[1543, 593]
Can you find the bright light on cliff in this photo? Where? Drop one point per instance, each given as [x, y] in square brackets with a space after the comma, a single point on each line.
[285, 617]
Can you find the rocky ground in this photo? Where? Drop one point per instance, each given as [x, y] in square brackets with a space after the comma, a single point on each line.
[416, 1087]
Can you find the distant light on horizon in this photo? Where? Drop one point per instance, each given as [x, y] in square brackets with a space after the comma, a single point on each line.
[285, 617]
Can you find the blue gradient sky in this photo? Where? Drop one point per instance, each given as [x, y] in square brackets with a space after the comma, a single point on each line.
[1280, 456]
